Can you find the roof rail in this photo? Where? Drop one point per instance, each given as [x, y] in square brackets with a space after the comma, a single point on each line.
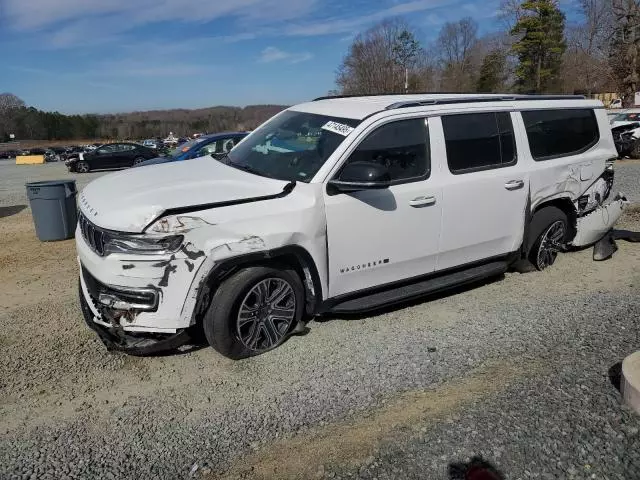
[506, 98]
[445, 101]
[330, 97]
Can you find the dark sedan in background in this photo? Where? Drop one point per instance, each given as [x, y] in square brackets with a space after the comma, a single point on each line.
[216, 145]
[110, 156]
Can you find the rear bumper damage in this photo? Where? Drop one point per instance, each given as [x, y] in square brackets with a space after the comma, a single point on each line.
[595, 225]
[595, 228]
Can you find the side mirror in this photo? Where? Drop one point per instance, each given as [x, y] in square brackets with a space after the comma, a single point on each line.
[358, 176]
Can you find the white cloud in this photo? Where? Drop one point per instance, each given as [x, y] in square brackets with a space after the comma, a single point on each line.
[273, 54]
[346, 25]
[25, 15]
[76, 23]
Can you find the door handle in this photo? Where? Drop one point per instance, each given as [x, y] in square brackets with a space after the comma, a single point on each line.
[514, 184]
[422, 201]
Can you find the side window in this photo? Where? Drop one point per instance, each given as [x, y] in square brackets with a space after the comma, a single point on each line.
[107, 149]
[228, 144]
[208, 149]
[126, 148]
[401, 146]
[557, 133]
[479, 141]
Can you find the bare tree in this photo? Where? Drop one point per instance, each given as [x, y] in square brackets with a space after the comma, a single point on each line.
[585, 65]
[9, 101]
[456, 43]
[625, 47]
[378, 59]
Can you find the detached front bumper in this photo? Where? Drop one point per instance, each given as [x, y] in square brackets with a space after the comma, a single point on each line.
[595, 225]
[116, 338]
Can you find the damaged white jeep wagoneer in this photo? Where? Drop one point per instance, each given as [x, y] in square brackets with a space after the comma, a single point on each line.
[343, 204]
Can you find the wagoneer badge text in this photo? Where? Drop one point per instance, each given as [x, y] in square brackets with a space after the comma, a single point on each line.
[364, 266]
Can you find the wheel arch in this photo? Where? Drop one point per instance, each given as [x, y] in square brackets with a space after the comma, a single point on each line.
[293, 256]
[562, 203]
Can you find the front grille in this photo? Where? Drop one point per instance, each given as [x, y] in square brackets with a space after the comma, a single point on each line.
[94, 236]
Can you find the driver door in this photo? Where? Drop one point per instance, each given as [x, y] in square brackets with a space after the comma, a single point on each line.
[106, 157]
[377, 237]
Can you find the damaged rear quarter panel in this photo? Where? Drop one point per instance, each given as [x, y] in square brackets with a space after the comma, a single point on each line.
[560, 178]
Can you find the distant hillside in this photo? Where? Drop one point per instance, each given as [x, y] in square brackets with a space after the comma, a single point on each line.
[184, 122]
[29, 123]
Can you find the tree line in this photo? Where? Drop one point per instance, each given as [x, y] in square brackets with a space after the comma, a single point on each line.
[30, 123]
[535, 51]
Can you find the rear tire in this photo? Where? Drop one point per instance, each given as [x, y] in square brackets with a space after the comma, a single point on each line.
[139, 160]
[549, 230]
[247, 317]
[82, 167]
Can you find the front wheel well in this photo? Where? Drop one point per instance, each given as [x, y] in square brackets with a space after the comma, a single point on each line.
[293, 257]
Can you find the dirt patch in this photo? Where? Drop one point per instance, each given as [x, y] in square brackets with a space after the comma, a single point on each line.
[349, 443]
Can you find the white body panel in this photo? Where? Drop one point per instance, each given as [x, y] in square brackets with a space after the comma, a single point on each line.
[468, 217]
[377, 237]
[481, 216]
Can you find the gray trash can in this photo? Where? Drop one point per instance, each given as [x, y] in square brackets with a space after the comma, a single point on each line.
[53, 206]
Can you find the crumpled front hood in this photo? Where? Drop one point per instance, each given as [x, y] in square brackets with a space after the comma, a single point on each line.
[128, 201]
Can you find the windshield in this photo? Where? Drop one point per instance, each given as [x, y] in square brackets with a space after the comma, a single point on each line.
[291, 146]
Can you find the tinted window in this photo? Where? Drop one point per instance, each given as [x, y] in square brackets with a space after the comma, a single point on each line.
[554, 133]
[479, 141]
[107, 149]
[402, 146]
[126, 148]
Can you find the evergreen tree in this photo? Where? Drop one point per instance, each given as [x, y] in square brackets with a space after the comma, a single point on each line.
[540, 48]
[492, 72]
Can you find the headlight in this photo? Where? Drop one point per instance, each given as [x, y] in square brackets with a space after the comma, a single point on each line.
[141, 245]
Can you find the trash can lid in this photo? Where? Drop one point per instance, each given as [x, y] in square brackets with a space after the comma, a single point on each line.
[51, 189]
[50, 183]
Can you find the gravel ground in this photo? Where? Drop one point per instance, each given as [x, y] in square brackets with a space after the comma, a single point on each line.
[627, 179]
[13, 177]
[515, 371]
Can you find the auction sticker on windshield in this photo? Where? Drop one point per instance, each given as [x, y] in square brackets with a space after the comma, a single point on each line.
[339, 128]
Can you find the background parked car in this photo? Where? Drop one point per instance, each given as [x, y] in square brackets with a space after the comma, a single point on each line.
[9, 154]
[72, 152]
[150, 143]
[217, 145]
[111, 156]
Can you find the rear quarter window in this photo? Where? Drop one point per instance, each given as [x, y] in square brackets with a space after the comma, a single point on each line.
[560, 133]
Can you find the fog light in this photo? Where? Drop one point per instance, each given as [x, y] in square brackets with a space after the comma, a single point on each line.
[141, 299]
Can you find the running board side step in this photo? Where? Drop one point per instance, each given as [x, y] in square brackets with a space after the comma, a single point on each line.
[411, 291]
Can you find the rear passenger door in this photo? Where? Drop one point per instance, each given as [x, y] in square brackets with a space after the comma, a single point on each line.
[485, 188]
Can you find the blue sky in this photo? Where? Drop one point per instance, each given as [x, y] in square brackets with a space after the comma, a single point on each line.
[78, 56]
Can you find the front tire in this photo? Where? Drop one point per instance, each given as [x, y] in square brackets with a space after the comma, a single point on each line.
[550, 228]
[254, 311]
[82, 167]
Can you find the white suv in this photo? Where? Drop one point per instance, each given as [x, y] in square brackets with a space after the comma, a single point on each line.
[342, 204]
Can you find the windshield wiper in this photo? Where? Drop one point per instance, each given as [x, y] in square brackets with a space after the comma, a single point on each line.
[248, 168]
[242, 166]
